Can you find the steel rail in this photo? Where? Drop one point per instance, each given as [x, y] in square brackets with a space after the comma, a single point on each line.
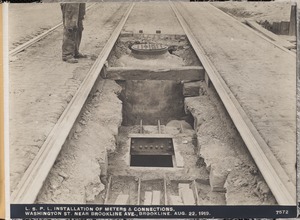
[281, 186]
[32, 181]
[36, 39]
[256, 32]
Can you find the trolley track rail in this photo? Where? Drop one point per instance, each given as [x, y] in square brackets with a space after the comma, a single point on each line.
[36, 39]
[275, 176]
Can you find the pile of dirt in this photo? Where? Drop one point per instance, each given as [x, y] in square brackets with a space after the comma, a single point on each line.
[75, 177]
[231, 168]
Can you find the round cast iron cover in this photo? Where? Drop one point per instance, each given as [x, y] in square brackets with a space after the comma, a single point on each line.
[149, 49]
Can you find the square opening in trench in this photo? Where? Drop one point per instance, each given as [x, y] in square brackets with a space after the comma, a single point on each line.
[151, 151]
[151, 161]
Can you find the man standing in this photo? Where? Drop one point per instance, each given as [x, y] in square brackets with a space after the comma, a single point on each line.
[73, 14]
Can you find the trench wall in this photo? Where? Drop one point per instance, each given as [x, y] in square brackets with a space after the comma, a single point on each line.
[151, 101]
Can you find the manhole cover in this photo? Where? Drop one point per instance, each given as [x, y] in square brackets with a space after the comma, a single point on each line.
[149, 49]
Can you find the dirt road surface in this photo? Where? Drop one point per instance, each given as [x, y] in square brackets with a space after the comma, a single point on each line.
[26, 22]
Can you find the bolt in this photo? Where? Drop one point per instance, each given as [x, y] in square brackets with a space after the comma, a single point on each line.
[132, 147]
[151, 146]
[146, 146]
[156, 147]
[141, 146]
[161, 146]
[132, 141]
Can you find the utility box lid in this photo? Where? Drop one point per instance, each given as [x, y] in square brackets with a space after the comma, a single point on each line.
[149, 49]
[151, 145]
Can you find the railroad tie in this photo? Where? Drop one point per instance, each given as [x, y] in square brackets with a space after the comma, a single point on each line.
[148, 198]
[156, 197]
[186, 194]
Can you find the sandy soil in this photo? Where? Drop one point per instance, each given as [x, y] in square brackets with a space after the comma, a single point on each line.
[207, 197]
[83, 159]
[224, 152]
[41, 85]
[26, 22]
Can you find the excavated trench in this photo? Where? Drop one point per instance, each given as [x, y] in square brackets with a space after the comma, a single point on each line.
[153, 141]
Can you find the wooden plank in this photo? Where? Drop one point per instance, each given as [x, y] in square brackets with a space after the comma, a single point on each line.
[284, 28]
[107, 190]
[191, 89]
[217, 180]
[182, 187]
[179, 73]
[104, 165]
[165, 190]
[141, 127]
[280, 184]
[196, 192]
[187, 196]
[178, 157]
[293, 20]
[207, 80]
[269, 34]
[275, 27]
[159, 127]
[150, 136]
[34, 177]
[181, 128]
[38, 38]
[156, 197]
[122, 199]
[139, 191]
[148, 198]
